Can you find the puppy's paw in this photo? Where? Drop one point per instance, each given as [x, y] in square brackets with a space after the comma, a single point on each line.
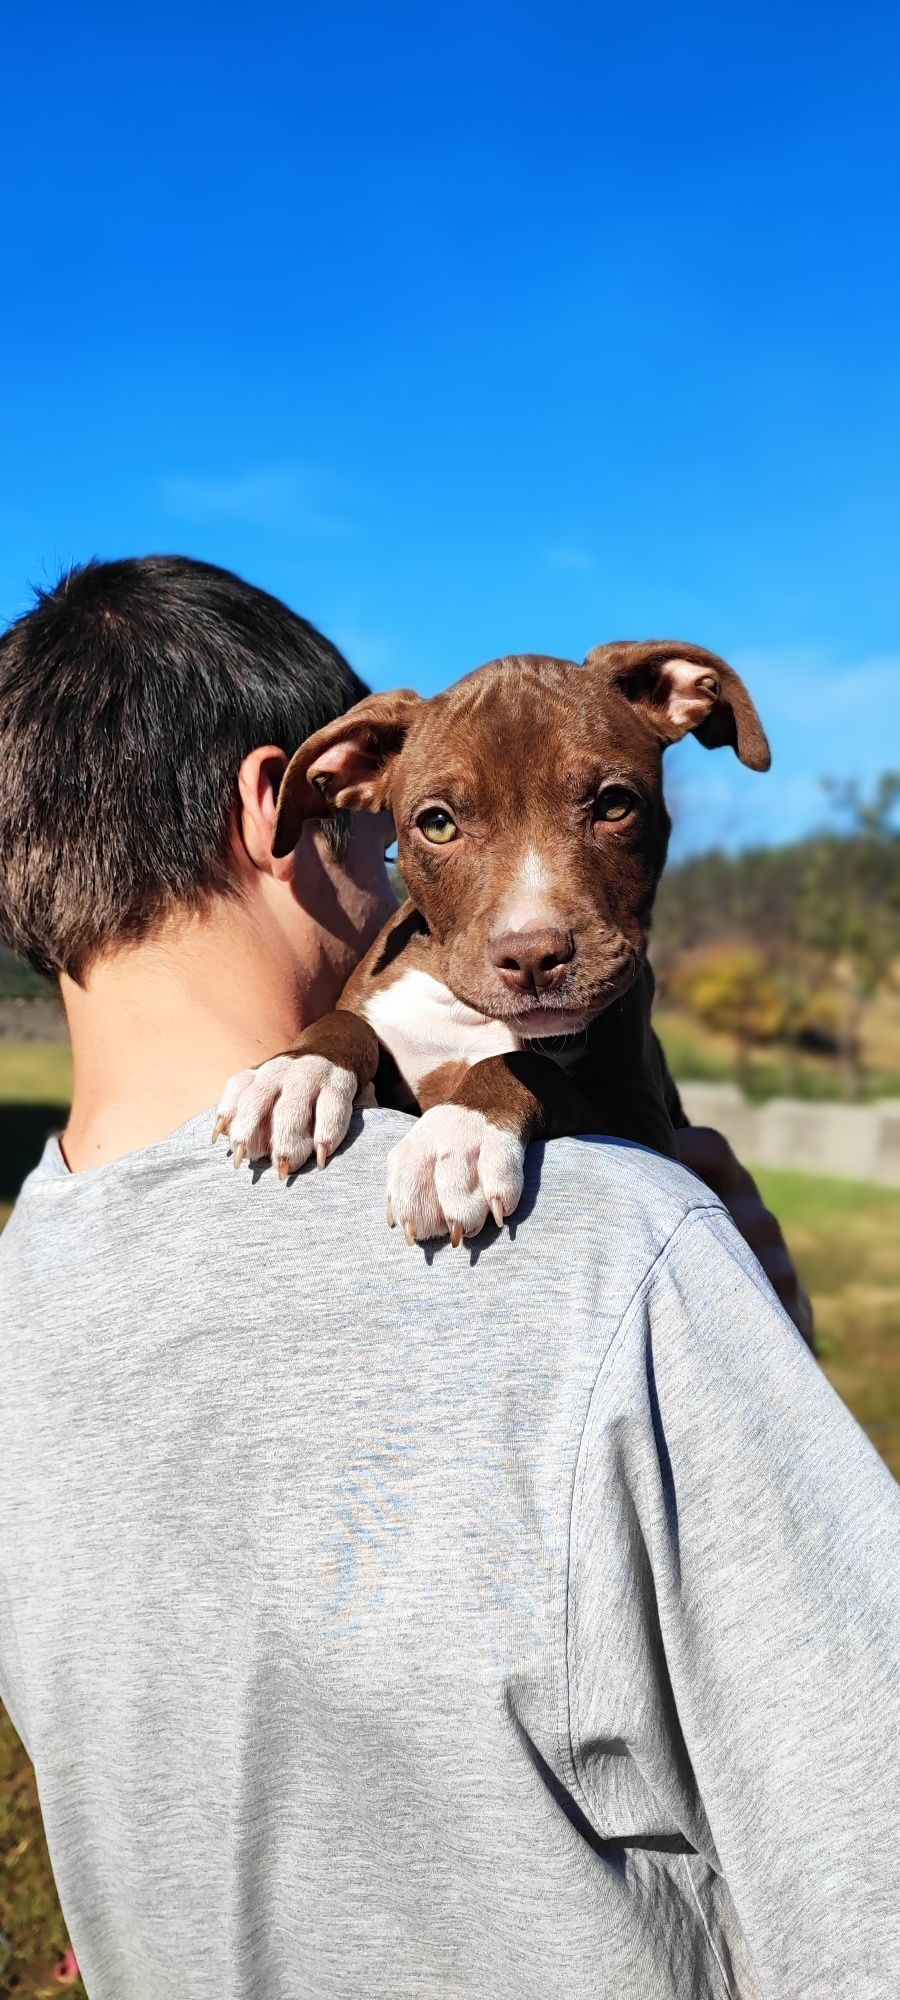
[452, 1172]
[289, 1107]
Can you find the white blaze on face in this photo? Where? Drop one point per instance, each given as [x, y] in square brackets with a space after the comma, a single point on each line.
[530, 905]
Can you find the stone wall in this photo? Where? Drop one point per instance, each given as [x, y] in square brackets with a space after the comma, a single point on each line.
[32, 1021]
[859, 1142]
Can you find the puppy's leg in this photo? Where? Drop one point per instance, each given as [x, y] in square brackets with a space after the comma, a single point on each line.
[464, 1159]
[301, 1101]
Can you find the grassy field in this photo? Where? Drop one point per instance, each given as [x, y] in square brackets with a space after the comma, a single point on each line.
[846, 1240]
[35, 1083]
[35, 1087]
[35, 1073]
[696, 1053]
[33, 1937]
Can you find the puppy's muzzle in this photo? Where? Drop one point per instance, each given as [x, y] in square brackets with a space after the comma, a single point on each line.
[533, 961]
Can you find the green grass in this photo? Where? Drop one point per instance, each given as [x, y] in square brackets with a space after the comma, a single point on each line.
[35, 1083]
[35, 1087]
[35, 1073]
[845, 1237]
[31, 1917]
[695, 1054]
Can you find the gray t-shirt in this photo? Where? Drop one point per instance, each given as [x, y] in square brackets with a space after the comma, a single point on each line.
[518, 1621]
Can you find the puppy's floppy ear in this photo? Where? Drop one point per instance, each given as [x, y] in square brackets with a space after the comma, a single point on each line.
[678, 688]
[346, 764]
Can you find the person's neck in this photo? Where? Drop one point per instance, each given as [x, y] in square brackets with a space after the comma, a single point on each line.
[159, 1028]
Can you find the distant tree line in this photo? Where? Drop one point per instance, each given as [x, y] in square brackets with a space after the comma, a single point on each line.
[18, 982]
[789, 943]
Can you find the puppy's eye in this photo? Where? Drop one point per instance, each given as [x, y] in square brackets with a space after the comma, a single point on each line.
[437, 826]
[616, 802]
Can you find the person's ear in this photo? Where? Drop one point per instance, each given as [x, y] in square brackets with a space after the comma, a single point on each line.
[676, 689]
[347, 765]
[259, 783]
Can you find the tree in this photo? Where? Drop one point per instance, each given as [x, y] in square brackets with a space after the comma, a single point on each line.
[849, 908]
[733, 989]
[824, 912]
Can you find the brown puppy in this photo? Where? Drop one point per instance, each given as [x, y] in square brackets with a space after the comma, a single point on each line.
[510, 997]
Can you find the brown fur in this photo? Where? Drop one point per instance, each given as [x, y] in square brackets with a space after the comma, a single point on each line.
[519, 753]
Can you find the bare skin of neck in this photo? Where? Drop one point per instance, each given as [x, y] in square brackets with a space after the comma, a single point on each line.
[159, 1027]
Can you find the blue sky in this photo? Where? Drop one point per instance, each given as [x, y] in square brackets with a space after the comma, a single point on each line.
[478, 329]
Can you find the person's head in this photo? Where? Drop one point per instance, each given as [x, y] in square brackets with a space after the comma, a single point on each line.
[148, 709]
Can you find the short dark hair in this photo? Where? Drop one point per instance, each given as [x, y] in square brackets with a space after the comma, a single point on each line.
[129, 696]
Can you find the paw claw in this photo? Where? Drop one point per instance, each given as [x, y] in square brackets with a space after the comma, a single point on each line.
[288, 1108]
[391, 1218]
[452, 1173]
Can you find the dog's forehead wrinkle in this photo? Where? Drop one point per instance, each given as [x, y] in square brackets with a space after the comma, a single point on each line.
[509, 687]
[523, 704]
[509, 727]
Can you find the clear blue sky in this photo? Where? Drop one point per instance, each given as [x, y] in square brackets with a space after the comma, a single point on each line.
[477, 329]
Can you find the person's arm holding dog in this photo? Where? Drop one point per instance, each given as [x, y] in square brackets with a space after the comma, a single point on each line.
[708, 1154]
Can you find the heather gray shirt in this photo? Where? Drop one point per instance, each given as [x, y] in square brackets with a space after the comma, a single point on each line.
[517, 1622]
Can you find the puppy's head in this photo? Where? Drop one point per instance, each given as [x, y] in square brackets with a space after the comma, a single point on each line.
[529, 809]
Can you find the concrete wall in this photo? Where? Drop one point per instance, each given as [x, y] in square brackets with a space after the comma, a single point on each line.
[32, 1021]
[858, 1142]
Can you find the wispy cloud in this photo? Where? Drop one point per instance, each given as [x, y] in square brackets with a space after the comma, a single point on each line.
[731, 808]
[289, 496]
[568, 556]
[804, 687]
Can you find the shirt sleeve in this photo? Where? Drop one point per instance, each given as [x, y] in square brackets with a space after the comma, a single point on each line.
[734, 1620]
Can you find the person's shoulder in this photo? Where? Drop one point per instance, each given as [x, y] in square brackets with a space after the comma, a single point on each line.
[596, 1217]
[633, 1192]
[619, 1185]
[604, 1168]
[49, 1173]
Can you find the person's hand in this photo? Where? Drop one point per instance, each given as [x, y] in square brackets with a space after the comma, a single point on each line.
[709, 1155]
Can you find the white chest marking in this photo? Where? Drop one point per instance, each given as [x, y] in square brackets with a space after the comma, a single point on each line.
[423, 1024]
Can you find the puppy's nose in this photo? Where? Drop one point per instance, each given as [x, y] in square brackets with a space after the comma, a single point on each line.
[533, 961]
